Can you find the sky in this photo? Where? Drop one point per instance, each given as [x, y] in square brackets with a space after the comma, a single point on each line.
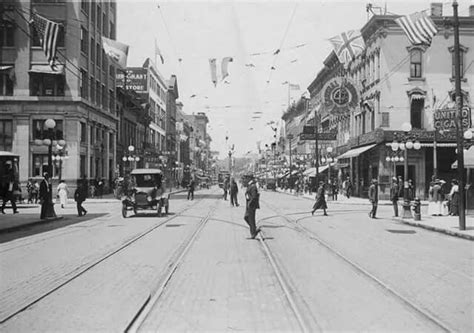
[189, 33]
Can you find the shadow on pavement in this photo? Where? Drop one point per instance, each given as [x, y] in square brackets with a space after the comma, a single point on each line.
[40, 227]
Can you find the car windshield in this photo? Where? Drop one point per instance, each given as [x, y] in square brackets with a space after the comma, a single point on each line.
[147, 180]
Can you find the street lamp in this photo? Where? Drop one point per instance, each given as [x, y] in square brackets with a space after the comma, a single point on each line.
[61, 156]
[49, 140]
[131, 157]
[406, 142]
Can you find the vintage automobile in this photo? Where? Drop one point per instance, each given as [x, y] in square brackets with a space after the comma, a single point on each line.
[146, 191]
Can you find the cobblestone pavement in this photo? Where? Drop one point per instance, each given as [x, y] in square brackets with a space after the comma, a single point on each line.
[398, 275]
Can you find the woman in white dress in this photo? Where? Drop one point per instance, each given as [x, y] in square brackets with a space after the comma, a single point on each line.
[62, 193]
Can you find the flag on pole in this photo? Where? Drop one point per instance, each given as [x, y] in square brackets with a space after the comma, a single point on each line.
[48, 35]
[418, 27]
[348, 45]
[158, 53]
[117, 51]
[294, 86]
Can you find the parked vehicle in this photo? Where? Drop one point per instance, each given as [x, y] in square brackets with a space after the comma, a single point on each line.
[146, 191]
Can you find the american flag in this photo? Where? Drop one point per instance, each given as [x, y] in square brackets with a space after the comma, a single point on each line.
[348, 45]
[418, 27]
[48, 34]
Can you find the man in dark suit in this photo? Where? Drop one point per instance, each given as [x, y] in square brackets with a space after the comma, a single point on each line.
[191, 186]
[252, 196]
[234, 189]
[80, 196]
[374, 198]
[45, 195]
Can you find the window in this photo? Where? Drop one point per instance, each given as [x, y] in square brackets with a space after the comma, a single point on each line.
[83, 83]
[6, 135]
[98, 52]
[415, 63]
[84, 41]
[46, 84]
[82, 166]
[104, 61]
[92, 3]
[91, 85]
[111, 101]
[385, 119]
[111, 71]
[104, 97]
[104, 25]
[92, 135]
[40, 165]
[39, 131]
[92, 49]
[112, 30]
[462, 52]
[98, 93]
[83, 133]
[60, 42]
[6, 82]
[416, 112]
[85, 6]
[7, 34]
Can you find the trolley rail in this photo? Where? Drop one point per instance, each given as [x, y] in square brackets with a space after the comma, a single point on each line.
[313, 236]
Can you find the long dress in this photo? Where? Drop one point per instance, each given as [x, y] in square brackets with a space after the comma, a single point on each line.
[62, 192]
[320, 200]
[454, 200]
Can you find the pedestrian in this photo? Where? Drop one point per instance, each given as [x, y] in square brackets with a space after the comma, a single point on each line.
[252, 204]
[8, 188]
[29, 189]
[320, 199]
[45, 195]
[394, 196]
[411, 190]
[454, 198]
[348, 188]
[401, 188]
[35, 191]
[335, 189]
[234, 189]
[80, 196]
[62, 193]
[191, 186]
[374, 198]
[226, 187]
[435, 207]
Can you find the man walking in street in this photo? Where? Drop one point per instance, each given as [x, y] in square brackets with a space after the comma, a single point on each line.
[374, 198]
[44, 195]
[191, 186]
[252, 197]
[394, 196]
[80, 196]
[226, 187]
[234, 189]
[8, 188]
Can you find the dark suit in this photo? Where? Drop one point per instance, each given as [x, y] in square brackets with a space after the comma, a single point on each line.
[45, 197]
[80, 196]
[374, 199]
[234, 189]
[191, 187]
[394, 197]
[252, 197]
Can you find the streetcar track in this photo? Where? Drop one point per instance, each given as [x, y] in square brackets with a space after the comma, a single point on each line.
[313, 236]
[153, 298]
[80, 270]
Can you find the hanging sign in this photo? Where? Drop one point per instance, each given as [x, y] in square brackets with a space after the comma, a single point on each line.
[445, 119]
[339, 94]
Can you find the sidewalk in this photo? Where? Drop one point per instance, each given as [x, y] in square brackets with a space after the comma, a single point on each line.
[445, 224]
[29, 214]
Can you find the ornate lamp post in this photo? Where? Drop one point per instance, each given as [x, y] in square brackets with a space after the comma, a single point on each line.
[394, 159]
[406, 142]
[130, 157]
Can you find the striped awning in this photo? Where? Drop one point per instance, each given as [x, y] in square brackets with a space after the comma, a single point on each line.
[356, 151]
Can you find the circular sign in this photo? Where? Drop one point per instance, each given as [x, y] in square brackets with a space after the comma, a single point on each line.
[339, 94]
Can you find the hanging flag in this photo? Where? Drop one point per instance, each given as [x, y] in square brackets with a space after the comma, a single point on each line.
[117, 51]
[48, 35]
[158, 53]
[348, 45]
[224, 66]
[224, 69]
[294, 86]
[418, 27]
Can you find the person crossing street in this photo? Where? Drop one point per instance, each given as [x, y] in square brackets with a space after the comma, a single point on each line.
[374, 198]
[234, 189]
[252, 204]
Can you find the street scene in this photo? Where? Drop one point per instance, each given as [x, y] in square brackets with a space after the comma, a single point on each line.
[296, 166]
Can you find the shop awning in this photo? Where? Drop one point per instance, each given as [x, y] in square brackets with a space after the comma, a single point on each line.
[356, 151]
[468, 159]
[311, 172]
[46, 69]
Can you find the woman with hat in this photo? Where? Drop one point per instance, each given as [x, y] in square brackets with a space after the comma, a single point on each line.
[436, 198]
[320, 199]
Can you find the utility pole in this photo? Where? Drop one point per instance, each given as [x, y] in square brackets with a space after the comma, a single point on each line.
[459, 129]
[316, 153]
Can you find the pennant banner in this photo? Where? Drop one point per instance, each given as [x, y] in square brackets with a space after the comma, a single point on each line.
[348, 45]
[224, 72]
[117, 51]
[419, 28]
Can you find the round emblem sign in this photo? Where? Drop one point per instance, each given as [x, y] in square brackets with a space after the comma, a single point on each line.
[339, 94]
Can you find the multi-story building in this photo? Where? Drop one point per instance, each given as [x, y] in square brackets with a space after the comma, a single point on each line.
[395, 82]
[78, 92]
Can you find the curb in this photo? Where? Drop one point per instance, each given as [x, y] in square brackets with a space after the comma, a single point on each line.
[440, 230]
[29, 224]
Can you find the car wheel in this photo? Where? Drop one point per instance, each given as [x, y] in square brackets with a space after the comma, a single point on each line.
[124, 211]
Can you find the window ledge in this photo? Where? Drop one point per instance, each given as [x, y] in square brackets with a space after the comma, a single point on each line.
[422, 79]
[464, 79]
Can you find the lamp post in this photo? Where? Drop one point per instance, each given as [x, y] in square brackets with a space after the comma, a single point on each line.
[329, 159]
[394, 159]
[49, 140]
[131, 157]
[290, 137]
[61, 156]
[406, 142]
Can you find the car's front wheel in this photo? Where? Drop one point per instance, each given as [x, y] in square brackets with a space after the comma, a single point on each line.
[124, 211]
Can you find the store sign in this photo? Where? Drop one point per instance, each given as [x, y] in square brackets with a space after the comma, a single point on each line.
[445, 119]
[328, 136]
[136, 79]
[339, 94]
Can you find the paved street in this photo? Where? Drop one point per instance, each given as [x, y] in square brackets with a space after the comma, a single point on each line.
[201, 271]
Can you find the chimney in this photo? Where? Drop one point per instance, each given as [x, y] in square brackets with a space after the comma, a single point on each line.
[437, 9]
[471, 10]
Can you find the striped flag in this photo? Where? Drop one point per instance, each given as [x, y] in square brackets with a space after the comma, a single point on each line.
[294, 86]
[48, 34]
[418, 27]
[348, 45]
